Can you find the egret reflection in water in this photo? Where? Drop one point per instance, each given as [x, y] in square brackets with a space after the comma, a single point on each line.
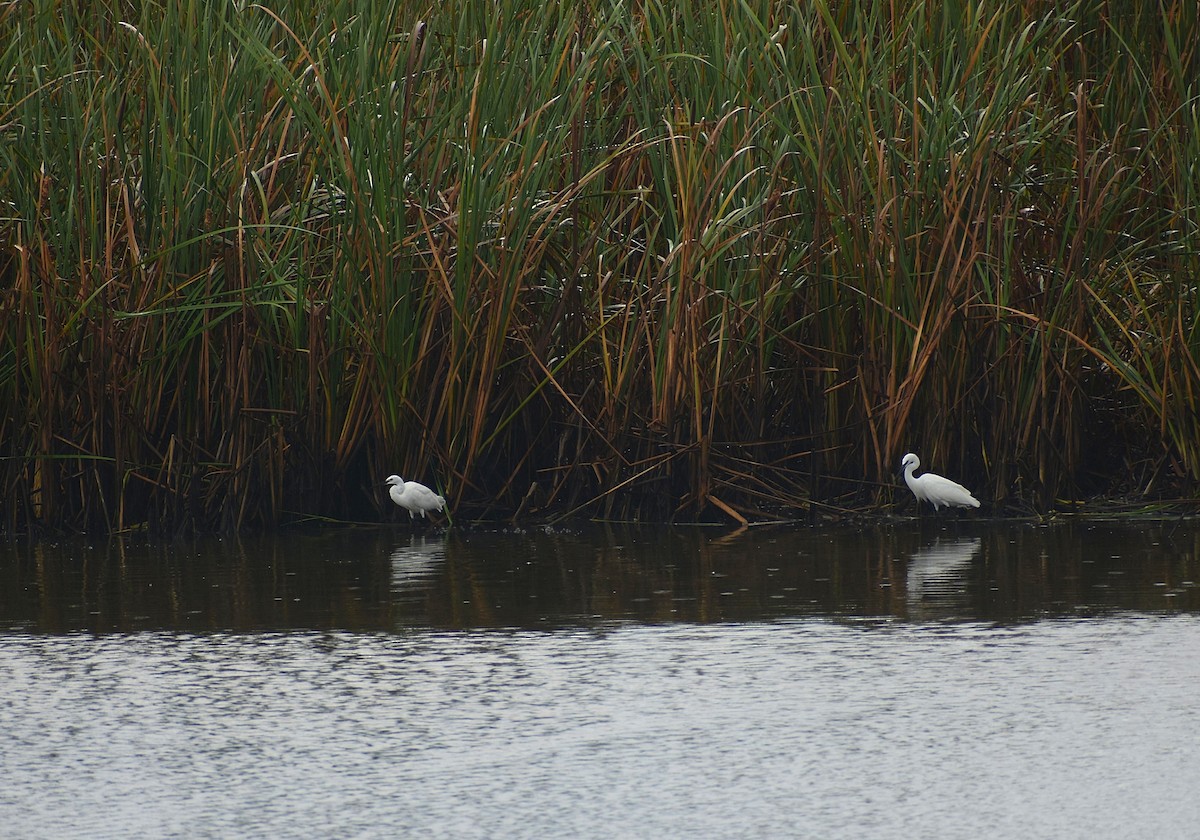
[937, 577]
[416, 562]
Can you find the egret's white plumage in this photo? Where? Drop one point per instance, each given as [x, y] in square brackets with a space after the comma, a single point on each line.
[413, 497]
[938, 491]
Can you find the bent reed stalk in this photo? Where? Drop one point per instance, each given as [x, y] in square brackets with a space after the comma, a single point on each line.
[590, 257]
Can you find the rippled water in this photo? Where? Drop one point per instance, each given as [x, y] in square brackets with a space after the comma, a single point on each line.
[999, 682]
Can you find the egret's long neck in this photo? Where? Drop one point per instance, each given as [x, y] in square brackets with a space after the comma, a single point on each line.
[908, 473]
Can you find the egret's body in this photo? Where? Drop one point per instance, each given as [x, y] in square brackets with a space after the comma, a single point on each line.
[413, 496]
[938, 491]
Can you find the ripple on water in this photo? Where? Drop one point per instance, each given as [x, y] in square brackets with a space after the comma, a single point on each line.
[793, 728]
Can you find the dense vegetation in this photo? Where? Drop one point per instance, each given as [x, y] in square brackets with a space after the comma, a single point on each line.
[624, 259]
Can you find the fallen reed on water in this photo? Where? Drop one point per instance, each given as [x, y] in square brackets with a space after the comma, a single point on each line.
[592, 258]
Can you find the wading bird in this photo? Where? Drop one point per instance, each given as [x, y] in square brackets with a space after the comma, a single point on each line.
[938, 491]
[413, 497]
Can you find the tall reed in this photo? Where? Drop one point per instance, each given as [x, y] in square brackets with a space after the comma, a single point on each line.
[625, 260]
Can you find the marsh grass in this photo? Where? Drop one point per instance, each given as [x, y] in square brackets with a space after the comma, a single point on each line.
[592, 258]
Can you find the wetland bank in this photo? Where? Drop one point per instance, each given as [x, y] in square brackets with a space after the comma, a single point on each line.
[611, 260]
[579, 261]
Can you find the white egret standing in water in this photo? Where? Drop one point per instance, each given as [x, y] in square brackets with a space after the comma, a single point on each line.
[413, 497]
[938, 491]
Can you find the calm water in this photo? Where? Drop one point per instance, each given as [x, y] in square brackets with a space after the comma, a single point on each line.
[910, 681]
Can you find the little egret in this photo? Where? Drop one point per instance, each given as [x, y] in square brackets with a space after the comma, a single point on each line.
[413, 497]
[935, 489]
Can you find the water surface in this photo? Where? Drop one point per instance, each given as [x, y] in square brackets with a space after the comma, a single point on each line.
[955, 681]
